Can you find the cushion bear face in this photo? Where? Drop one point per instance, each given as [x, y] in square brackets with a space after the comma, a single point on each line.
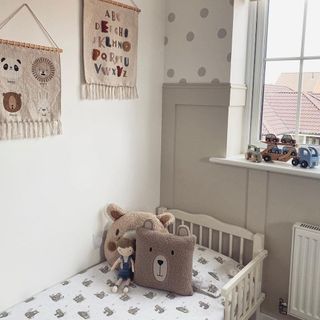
[10, 68]
[164, 261]
[125, 225]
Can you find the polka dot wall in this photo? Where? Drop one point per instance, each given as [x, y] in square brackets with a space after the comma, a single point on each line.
[198, 41]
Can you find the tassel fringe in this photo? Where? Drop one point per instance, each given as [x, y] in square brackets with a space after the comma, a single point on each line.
[29, 129]
[99, 91]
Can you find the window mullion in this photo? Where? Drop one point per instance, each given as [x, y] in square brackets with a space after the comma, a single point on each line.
[298, 115]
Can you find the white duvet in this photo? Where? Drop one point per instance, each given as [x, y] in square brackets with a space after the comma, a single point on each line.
[88, 296]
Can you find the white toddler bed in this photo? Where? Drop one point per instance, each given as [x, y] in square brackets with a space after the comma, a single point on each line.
[224, 289]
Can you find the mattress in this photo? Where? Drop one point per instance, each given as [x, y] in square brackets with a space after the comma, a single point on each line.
[88, 295]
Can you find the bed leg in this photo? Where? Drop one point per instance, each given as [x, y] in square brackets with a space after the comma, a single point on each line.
[258, 315]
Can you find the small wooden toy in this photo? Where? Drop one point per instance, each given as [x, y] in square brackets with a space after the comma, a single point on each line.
[253, 154]
[307, 157]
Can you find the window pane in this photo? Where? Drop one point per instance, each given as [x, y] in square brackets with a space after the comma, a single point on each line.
[312, 46]
[285, 28]
[310, 103]
[280, 98]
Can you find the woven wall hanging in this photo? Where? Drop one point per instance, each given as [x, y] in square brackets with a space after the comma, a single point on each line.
[30, 87]
[110, 41]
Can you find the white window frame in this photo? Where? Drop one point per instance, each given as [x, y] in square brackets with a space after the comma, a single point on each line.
[257, 50]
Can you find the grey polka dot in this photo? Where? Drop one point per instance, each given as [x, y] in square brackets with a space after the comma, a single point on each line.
[202, 72]
[222, 33]
[229, 57]
[170, 73]
[166, 40]
[183, 81]
[190, 36]
[171, 17]
[231, 2]
[215, 81]
[204, 13]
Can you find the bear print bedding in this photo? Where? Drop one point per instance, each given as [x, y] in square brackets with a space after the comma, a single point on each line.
[88, 295]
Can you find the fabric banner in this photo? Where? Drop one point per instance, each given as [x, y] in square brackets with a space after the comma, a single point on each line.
[30, 91]
[110, 39]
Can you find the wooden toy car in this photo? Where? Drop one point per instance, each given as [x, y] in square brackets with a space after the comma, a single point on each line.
[287, 139]
[271, 138]
[274, 153]
[253, 153]
[307, 157]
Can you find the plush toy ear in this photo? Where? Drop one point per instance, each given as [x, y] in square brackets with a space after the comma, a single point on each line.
[2, 59]
[114, 212]
[183, 231]
[166, 218]
[148, 224]
[19, 61]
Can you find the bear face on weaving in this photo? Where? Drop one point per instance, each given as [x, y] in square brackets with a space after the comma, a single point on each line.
[164, 261]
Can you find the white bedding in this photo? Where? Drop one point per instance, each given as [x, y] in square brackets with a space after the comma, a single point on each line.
[88, 296]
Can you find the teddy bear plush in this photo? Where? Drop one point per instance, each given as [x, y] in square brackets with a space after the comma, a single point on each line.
[125, 225]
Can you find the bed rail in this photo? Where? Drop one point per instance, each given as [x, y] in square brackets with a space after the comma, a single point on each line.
[242, 293]
[227, 233]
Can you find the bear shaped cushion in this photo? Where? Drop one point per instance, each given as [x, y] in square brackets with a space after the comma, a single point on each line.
[125, 224]
[164, 261]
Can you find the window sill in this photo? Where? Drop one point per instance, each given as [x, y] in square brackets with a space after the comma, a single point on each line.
[276, 167]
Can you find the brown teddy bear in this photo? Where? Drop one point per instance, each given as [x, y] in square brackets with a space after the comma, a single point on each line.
[125, 225]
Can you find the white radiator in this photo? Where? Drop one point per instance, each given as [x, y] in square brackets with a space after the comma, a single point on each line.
[304, 291]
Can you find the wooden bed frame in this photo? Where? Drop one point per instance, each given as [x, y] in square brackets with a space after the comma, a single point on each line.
[242, 293]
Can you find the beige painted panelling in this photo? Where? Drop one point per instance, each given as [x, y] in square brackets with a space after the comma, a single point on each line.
[198, 185]
[206, 101]
[290, 199]
[257, 200]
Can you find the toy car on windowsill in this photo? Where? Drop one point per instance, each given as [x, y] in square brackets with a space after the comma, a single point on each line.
[287, 139]
[253, 154]
[307, 157]
[271, 138]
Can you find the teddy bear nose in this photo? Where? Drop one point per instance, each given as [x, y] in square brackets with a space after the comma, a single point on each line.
[160, 262]
[112, 246]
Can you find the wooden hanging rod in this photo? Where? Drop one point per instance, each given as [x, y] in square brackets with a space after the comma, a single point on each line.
[122, 5]
[30, 45]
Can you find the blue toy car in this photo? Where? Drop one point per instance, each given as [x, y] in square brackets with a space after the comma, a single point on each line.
[307, 157]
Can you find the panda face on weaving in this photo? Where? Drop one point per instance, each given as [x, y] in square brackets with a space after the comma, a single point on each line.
[10, 69]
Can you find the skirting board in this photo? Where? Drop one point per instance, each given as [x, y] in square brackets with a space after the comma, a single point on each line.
[264, 316]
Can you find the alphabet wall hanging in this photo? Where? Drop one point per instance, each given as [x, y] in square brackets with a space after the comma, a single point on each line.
[30, 87]
[110, 42]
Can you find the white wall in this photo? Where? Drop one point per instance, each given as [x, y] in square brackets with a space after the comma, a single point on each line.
[51, 190]
[198, 40]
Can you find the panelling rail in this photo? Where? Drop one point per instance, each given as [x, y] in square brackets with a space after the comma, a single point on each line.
[304, 290]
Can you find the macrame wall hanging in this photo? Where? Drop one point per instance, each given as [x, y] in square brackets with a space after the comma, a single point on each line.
[110, 41]
[30, 87]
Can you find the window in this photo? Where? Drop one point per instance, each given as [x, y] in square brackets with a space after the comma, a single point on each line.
[286, 84]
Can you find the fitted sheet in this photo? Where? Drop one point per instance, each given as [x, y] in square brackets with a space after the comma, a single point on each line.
[88, 295]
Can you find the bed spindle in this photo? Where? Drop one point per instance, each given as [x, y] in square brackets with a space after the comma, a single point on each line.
[251, 289]
[230, 245]
[220, 241]
[210, 238]
[241, 250]
[234, 303]
[200, 235]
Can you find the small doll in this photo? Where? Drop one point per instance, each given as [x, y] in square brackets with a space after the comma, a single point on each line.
[126, 270]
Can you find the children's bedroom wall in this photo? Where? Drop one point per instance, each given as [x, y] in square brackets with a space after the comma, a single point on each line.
[53, 190]
[195, 124]
[201, 33]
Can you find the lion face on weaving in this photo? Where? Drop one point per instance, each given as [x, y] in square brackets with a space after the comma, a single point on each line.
[43, 69]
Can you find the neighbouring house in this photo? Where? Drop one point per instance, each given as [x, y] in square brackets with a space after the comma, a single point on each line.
[279, 112]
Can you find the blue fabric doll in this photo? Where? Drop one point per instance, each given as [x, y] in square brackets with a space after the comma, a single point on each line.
[126, 264]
